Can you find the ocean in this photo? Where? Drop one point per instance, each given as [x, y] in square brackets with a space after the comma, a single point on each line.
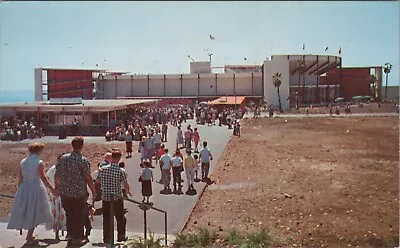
[14, 96]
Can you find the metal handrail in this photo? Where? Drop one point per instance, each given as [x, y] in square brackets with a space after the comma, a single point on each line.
[145, 207]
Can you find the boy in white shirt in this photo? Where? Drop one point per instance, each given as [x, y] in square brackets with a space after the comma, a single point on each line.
[166, 164]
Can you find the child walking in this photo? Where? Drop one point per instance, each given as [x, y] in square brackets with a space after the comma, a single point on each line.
[88, 213]
[196, 138]
[196, 167]
[146, 178]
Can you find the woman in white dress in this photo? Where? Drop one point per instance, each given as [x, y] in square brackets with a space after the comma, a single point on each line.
[59, 220]
[31, 203]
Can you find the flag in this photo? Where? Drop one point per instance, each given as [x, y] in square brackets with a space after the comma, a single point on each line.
[340, 50]
[326, 49]
[304, 47]
[212, 37]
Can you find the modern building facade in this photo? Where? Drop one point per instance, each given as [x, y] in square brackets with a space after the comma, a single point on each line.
[305, 80]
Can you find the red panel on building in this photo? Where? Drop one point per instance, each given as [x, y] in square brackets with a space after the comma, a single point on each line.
[354, 81]
[69, 83]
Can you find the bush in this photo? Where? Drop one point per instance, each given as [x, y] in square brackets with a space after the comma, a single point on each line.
[142, 243]
[258, 239]
[234, 238]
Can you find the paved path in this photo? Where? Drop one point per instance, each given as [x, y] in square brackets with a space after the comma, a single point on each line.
[178, 207]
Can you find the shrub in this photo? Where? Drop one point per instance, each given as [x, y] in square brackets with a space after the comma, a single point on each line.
[234, 238]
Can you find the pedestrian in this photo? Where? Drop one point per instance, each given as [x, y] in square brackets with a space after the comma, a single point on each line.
[160, 152]
[157, 140]
[111, 177]
[142, 149]
[205, 158]
[146, 178]
[196, 139]
[30, 207]
[88, 214]
[164, 132]
[188, 138]
[122, 166]
[166, 164]
[107, 159]
[177, 164]
[189, 167]
[59, 221]
[72, 179]
[196, 167]
[149, 147]
[179, 137]
[128, 142]
[97, 185]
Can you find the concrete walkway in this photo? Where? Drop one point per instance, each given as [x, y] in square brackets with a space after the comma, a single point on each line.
[178, 207]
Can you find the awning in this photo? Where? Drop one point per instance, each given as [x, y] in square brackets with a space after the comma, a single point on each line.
[228, 100]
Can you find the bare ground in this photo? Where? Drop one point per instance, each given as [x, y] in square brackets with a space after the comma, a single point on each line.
[340, 177]
[11, 155]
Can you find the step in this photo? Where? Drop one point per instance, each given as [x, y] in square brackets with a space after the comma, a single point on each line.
[12, 238]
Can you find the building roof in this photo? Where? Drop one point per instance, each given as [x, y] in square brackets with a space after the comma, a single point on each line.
[85, 106]
[228, 100]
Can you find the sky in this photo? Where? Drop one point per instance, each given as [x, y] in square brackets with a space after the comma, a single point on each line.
[157, 37]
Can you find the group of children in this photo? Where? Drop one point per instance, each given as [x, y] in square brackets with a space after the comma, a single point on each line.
[176, 166]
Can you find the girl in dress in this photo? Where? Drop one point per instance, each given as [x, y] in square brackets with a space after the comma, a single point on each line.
[196, 138]
[31, 203]
[128, 142]
[59, 220]
[146, 178]
[196, 167]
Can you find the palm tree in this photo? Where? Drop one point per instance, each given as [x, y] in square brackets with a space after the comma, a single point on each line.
[386, 69]
[276, 80]
[372, 84]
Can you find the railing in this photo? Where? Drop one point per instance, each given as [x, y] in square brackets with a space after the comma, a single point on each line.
[144, 207]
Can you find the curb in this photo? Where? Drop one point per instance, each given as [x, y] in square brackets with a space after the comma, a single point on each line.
[201, 194]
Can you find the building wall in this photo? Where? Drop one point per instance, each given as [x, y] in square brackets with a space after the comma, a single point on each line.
[69, 83]
[354, 81]
[270, 92]
[38, 85]
[177, 85]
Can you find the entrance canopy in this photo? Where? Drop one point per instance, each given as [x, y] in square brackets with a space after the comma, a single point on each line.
[228, 100]
[84, 106]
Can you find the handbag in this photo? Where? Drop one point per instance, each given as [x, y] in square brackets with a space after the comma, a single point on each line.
[140, 179]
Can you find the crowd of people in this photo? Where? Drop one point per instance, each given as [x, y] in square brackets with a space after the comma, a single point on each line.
[73, 191]
[19, 130]
[67, 205]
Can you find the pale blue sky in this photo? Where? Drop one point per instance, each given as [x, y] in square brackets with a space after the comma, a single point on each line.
[156, 37]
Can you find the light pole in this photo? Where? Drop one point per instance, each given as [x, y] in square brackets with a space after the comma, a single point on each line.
[210, 55]
[387, 68]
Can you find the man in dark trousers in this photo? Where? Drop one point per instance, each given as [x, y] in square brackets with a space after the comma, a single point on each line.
[111, 177]
[72, 179]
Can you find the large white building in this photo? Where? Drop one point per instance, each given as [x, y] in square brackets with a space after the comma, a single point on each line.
[249, 81]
